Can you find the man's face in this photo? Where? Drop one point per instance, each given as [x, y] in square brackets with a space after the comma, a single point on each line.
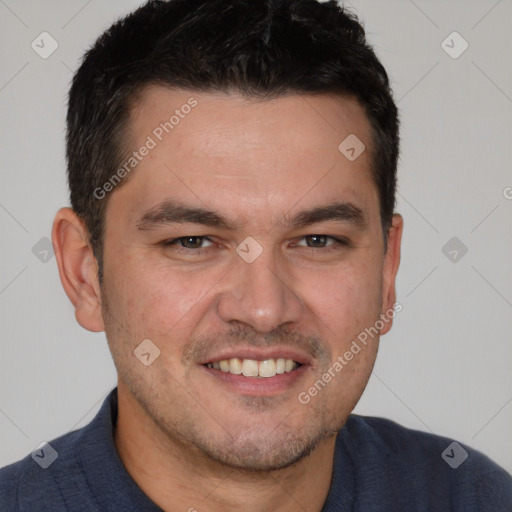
[211, 296]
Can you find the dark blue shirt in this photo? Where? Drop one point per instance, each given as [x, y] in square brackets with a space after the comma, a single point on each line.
[378, 466]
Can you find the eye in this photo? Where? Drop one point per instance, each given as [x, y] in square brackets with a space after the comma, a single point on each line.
[321, 241]
[188, 242]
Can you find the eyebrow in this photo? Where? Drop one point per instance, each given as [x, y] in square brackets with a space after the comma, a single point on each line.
[174, 212]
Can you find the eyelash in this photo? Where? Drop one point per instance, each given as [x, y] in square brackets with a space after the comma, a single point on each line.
[340, 242]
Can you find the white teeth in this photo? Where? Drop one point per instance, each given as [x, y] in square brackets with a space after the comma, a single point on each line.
[235, 366]
[250, 368]
[267, 368]
[254, 368]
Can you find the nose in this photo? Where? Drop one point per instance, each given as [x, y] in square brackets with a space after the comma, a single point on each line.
[259, 294]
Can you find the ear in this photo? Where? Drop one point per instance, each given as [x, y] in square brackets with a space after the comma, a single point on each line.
[78, 268]
[391, 264]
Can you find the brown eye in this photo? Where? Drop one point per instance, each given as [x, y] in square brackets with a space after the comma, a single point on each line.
[321, 241]
[191, 242]
[316, 240]
[188, 242]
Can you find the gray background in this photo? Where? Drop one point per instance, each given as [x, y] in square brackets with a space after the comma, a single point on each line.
[445, 366]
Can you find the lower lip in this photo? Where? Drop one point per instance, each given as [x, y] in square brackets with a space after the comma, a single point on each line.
[258, 386]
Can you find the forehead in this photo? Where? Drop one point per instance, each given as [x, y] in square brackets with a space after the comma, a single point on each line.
[232, 152]
[220, 116]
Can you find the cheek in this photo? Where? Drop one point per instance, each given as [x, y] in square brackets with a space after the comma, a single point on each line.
[349, 304]
[346, 300]
[156, 300]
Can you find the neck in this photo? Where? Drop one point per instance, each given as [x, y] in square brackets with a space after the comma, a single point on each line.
[178, 476]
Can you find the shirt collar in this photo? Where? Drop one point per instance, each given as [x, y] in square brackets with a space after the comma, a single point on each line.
[115, 490]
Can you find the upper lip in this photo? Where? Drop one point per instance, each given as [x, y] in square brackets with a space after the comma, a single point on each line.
[260, 354]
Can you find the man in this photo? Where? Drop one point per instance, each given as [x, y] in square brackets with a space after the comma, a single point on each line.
[232, 168]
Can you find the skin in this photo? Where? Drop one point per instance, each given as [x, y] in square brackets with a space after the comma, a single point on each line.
[189, 440]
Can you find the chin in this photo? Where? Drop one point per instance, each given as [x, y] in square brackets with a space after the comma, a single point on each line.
[258, 457]
[262, 450]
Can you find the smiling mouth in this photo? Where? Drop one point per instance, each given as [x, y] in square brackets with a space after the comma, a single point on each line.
[253, 367]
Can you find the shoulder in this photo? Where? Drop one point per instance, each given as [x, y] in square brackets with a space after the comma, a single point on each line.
[425, 466]
[36, 478]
